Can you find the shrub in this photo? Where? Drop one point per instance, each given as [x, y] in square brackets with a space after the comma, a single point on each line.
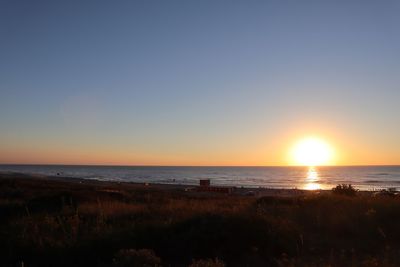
[344, 189]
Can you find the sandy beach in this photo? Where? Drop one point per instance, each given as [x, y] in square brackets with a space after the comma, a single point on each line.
[172, 188]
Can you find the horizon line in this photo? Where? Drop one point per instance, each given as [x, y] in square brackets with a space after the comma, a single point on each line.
[230, 166]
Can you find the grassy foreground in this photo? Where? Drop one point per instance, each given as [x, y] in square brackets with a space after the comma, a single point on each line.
[47, 222]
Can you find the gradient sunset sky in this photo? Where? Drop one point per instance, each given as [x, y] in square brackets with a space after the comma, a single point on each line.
[198, 82]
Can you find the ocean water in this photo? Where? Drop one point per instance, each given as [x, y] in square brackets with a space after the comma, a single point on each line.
[362, 177]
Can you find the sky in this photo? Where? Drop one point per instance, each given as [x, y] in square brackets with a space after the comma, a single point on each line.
[198, 82]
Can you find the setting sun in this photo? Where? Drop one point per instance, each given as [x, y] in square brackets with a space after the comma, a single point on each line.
[312, 152]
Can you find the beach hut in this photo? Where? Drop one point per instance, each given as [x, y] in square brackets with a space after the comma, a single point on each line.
[205, 182]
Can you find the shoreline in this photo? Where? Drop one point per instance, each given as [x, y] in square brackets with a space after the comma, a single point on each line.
[169, 187]
[364, 178]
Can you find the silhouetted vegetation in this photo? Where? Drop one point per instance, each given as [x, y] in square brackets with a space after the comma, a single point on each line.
[344, 189]
[58, 223]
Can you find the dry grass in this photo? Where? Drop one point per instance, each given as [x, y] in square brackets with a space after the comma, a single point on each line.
[111, 209]
[104, 224]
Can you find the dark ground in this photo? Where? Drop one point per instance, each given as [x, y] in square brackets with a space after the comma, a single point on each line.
[72, 222]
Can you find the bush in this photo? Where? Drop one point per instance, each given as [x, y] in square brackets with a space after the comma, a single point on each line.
[344, 189]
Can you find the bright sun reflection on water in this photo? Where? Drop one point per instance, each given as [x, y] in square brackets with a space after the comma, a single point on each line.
[312, 180]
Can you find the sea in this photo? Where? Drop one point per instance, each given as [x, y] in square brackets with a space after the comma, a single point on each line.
[310, 178]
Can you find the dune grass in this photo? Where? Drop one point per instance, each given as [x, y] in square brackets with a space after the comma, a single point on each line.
[58, 223]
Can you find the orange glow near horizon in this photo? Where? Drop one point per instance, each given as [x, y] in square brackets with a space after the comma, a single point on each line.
[289, 147]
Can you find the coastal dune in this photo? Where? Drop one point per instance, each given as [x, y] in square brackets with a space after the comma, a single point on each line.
[53, 221]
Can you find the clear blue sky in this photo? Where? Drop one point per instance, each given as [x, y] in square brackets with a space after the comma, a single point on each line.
[197, 82]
